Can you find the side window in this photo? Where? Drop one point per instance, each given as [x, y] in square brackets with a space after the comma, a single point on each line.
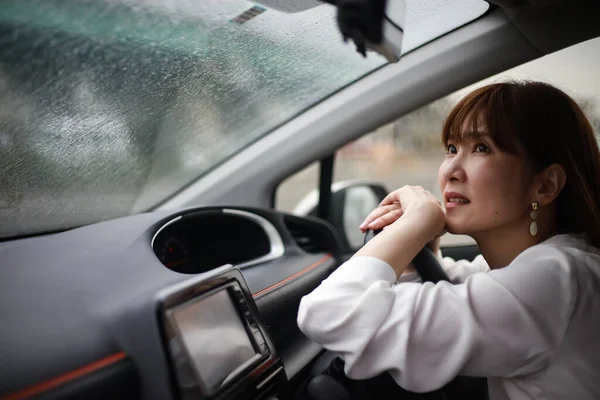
[409, 152]
[293, 190]
[405, 152]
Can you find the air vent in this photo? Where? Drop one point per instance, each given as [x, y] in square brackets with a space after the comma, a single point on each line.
[310, 236]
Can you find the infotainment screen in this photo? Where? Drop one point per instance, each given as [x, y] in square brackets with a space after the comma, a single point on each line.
[215, 338]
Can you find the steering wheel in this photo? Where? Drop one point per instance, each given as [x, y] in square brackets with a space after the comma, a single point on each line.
[333, 384]
[426, 263]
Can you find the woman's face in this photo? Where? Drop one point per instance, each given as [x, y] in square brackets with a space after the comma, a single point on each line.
[484, 189]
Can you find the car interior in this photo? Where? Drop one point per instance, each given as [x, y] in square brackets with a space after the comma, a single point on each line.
[144, 252]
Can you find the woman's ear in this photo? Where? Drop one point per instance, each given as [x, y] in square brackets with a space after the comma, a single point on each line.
[550, 182]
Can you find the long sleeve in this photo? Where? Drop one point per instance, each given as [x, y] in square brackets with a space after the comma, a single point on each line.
[503, 323]
[457, 271]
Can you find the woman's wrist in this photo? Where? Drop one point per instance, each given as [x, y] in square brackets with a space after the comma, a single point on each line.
[400, 242]
[427, 224]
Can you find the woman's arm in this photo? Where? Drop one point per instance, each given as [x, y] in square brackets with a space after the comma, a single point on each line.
[426, 219]
[503, 323]
[399, 243]
[418, 219]
[457, 271]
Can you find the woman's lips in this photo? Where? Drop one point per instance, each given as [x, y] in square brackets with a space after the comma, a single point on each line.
[455, 200]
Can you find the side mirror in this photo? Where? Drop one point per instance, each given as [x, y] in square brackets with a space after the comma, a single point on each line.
[351, 202]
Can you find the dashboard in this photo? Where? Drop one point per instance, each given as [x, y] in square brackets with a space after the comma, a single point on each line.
[124, 308]
[202, 240]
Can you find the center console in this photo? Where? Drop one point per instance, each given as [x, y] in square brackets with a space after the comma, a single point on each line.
[217, 343]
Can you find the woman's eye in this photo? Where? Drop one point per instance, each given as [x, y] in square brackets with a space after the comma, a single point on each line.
[481, 148]
[451, 149]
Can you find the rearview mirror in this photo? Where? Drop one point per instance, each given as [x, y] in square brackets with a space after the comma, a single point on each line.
[376, 25]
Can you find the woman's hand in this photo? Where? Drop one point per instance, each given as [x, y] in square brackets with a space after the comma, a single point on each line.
[407, 201]
[413, 218]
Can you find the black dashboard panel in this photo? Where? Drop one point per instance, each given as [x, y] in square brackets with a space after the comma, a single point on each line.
[201, 241]
[72, 299]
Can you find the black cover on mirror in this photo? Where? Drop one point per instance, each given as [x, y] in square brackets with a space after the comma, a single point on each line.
[361, 21]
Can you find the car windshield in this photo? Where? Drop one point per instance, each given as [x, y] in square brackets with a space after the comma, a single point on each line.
[109, 107]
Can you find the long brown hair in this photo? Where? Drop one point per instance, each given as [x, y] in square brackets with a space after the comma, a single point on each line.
[548, 127]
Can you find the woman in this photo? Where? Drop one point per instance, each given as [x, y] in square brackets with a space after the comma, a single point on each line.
[522, 177]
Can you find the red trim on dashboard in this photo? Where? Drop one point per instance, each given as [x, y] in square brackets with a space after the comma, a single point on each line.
[296, 275]
[67, 377]
[262, 368]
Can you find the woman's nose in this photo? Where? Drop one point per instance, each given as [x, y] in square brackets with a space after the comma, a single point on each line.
[452, 170]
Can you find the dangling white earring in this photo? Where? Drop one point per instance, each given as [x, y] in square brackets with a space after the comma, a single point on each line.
[533, 228]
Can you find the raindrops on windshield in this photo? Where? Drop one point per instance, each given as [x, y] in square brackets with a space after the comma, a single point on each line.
[109, 107]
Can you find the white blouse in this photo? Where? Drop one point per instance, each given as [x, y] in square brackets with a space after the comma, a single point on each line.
[532, 328]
